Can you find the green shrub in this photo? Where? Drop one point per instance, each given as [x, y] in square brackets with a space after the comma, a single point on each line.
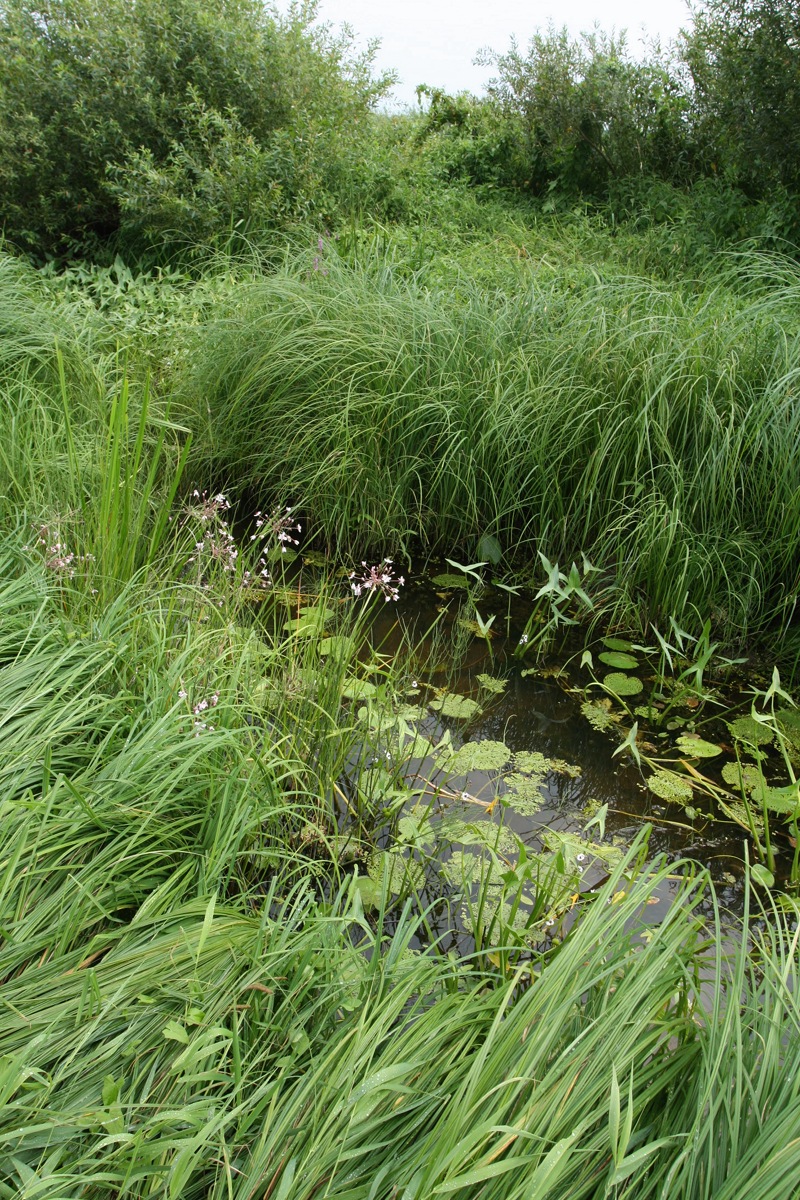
[588, 114]
[744, 58]
[198, 116]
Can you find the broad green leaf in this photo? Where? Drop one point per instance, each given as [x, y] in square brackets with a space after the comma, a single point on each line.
[615, 658]
[448, 580]
[745, 729]
[696, 747]
[762, 876]
[669, 786]
[453, 705]
[615, 643]
[623, 685]
[358, 689]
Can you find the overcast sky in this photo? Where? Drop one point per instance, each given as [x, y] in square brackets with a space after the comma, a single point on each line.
[435, 41]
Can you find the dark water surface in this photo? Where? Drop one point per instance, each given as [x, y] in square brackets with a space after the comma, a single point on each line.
[540, 711]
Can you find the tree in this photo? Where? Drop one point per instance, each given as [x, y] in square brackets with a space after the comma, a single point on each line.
[133, 116]
[744, 57]
[589, 114]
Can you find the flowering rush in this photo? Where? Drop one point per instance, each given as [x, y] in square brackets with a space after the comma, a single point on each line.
[377, 579]
[281, 525]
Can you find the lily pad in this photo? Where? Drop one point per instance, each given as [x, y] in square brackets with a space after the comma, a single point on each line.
[783, 800]
[742, 777]
[484, 631]
[615, 643]
[358, 689]
[303, 627]
[615, 658]
[319, 612]
[337, 647]
[532, 762]
[762, 875]
[524, 794]
[448, 580]
[578, 852]
[401, 872]
[623, 685]
[747, 729]
[600, 714]
[417, 833]
[459, 707]
[696, 747]
[370, 891]
[315, 558]
[669, 786]
[647, 712]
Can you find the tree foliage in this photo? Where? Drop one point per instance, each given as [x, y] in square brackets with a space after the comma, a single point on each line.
[588, 113]
[181, 115]
[744, 57]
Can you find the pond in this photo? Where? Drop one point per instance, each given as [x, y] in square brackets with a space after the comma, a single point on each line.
[532, 776]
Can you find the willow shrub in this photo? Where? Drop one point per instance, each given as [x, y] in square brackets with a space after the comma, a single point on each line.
[178, 121]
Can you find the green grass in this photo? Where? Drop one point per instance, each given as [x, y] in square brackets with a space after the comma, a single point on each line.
[197, 998]
[653, 427]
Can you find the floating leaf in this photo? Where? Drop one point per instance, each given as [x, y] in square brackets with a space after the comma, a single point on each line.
[600, 714]
[417, 833]
[743, 777]
[452, 705]
[623, 685]
[614, 643]
[747, 729]
[486, 755]
[303, 627]
[337, 647]
[491, 684]
[448, 580]
[532, 762]
[669, 786]
[315, 558]
[696, 747]
[358, 689]
[615, 658]
[454, 830]
[783, 800]
[401, 872]
[479, 628]
[647, 711]
[370, 891]
[524, 795]
[579, 852]
[318, 611]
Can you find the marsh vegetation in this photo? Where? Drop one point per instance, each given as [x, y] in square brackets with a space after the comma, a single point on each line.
[399, 567]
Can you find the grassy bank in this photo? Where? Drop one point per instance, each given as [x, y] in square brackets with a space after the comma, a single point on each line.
[652, 426]
[197, 1002]
[208, 988]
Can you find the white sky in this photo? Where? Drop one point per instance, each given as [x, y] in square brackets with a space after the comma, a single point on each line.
[435, 41]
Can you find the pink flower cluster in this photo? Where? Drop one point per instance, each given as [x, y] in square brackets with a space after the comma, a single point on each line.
[199, 725]
[218, 542]
[281, 525]
[55, 555]
[377, 579]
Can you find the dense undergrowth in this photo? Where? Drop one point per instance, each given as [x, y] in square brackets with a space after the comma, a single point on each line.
[198, 998]
[546, 325]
